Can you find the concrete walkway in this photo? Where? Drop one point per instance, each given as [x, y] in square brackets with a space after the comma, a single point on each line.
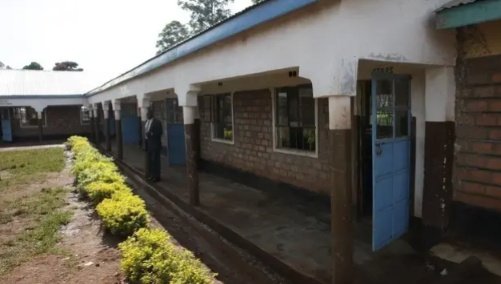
[21, 148]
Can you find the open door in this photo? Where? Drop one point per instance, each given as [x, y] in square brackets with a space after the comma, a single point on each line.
[390, 117]
[6, 125]
[176, 150]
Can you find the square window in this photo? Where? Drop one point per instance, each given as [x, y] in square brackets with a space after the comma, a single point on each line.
[222, 111]
[295, 118]
[28, 117]
[84, 115]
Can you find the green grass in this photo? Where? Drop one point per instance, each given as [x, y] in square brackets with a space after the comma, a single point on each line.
[20, 167]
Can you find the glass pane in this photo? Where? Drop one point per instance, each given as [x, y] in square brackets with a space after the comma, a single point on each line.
[309, 139]
[293, 108]
[307, 107]
[283, 137]
[282, 117]
[402, 92]
[401, 123]
[384, 109]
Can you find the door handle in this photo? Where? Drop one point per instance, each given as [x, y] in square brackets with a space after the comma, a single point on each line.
[379, 150]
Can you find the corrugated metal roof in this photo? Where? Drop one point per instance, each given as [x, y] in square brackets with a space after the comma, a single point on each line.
[28, 82]
[455, 3]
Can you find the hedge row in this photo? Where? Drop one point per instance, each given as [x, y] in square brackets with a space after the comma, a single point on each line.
[148, 255]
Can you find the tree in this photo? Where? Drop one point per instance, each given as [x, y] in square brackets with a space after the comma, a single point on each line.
[33, 66]
[4, 67]
[66, 66]
[173, 33]
[205, 13]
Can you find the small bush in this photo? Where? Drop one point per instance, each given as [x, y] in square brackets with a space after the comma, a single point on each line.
[123, 213]
[98, 191]
[149, 256]
[102, 171]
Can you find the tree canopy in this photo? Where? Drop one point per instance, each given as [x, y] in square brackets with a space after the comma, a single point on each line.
[203, 15]
[173, 33]
[33, 66]
[66, 66]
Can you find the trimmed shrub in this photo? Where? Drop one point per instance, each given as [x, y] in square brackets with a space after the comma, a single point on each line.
[149, 256]
[98, 191]
[123, 213]
[103, 171]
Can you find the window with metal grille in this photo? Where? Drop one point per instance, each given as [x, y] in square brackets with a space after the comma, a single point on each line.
[222, 117]
[295, 119]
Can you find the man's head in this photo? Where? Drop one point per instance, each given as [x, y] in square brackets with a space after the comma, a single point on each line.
[149, 114]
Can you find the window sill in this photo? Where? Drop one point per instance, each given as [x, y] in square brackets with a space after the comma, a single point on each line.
[296, 152]
[31, 126]
[229, 142]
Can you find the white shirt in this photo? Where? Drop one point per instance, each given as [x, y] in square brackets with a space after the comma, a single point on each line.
[147, 127]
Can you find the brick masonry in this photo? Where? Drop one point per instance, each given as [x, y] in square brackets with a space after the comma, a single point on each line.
[61, 121]
[477, 178]
[252, 150]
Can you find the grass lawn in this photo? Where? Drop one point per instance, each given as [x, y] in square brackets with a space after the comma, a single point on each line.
[30, 213]
[18, 167]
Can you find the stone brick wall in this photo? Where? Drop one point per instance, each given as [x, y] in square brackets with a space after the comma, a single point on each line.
[61, 121]
[477, 178]
[252, 150]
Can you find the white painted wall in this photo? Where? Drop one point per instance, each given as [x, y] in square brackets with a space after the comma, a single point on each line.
[324, 41]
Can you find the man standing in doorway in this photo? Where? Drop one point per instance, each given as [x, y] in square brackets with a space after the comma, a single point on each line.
[153, 131]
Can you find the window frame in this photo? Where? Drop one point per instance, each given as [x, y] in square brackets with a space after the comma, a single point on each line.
[274, 129]
[212, 124]
[21, 125]
[82, 122]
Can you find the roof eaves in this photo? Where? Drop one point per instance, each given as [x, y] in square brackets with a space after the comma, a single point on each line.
[240, 22]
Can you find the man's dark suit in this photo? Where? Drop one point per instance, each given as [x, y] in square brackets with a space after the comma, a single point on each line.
[153, 147]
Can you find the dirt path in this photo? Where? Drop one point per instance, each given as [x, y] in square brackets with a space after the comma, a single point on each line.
[84, 253]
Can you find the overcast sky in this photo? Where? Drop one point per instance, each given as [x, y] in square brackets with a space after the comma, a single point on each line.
[106, 37]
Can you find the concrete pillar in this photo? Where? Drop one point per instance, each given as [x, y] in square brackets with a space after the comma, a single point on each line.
[118, 130]
[106, 114]
[143, 106]
[140, 129]
[192, 148]
[40, 126]
[196, 136]
[341, 191]
[95, 126]
[440, 91]
[92, 121]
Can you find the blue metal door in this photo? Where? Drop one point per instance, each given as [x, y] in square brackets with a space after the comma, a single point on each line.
[176, 151]
[176, 147]
[390, 118]
[6, 125]
[130, 129]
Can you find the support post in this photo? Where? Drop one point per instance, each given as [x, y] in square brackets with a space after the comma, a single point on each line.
[92, 119]
[95, 126]
[144, 111]
[106, 113]
[40, 126]
[341, 191]
[440, 89]
[118, 128]
[192, 155]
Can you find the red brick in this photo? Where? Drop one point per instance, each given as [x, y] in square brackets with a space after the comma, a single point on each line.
[475, 106]
[470, 187]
